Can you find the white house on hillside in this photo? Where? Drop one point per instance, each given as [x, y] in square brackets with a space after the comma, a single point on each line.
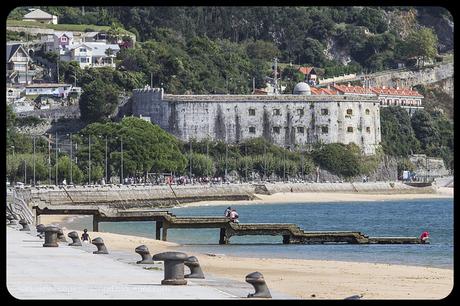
[38, 15]
[94, 54]
[17, 61]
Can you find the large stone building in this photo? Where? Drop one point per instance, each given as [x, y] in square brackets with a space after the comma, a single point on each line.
[308, 116]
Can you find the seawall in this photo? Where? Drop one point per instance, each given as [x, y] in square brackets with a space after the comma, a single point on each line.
[146, 196]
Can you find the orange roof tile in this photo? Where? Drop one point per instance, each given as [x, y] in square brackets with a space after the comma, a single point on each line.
[353, 89]
[397, 92]
[305, 70]
[323, 91]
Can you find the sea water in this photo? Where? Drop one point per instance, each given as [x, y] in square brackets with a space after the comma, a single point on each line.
[373, 218]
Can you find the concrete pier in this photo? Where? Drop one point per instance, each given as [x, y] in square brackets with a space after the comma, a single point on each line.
[82, 275]
[165, 220]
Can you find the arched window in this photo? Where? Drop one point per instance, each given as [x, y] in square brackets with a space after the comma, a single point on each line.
[367, 111]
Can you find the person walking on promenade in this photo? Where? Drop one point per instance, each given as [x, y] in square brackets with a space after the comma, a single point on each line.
[234, 216]
[227, 212]
[85, 236]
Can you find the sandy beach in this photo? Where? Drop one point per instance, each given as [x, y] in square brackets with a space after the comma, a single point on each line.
[289, 197]
[309, 279]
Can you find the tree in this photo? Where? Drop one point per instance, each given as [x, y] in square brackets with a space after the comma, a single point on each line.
[424, 130]
[398, 138]
[98, 101]
[264, 50]
[336, 158]
[202, 165]
[421, 44]
[146, 148]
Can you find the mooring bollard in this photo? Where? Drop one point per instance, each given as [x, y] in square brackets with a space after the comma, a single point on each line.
[60, 236]
[9, 218]
[257, 280]
[194, 266]
[51, 236]
[25, 225]
[99, 243]
[173, 267]
[40, 230]
[145, 254]
[75, 239]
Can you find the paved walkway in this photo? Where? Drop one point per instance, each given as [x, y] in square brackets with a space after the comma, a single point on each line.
[65, 272]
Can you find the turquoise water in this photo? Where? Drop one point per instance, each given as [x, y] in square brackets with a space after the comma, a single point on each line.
[376, 218]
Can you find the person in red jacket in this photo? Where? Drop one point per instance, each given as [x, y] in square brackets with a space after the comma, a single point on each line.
[424, 237]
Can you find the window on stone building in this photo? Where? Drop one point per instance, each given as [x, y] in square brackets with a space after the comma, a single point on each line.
[367, 111]
[324, 111]
[276, 129]
[300, 129]
[349, 111]
[252, 112]
[300, 111]
[350, 129]
[324, 129]
[312, 106]
[368, 129]
[277, 112]
[252, 130]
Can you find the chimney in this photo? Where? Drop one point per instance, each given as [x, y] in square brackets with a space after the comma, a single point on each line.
[328, 86]
[383, 87]
[397, 87]
[349, 84]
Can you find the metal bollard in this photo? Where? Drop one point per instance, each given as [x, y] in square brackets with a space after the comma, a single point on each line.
[25, 225]
[145, 254]
[60, 236]
[40, 230]
[194, 266]
[354, 297]
[173, 267]
[75, 239]
[51, 236]
[257, 280]
[99, 243]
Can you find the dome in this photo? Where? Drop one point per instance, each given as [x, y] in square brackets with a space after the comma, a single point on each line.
[302, 88]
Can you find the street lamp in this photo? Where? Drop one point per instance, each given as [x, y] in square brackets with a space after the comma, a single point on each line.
[89, 158]
[106, 173]
[71, 155]
[56, 162]
[34, 158]
[25, 172]
[190, 160]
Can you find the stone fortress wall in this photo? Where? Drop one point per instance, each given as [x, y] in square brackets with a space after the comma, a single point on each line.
[286, 120]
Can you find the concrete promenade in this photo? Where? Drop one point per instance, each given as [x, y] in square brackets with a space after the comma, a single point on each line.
[65, 272]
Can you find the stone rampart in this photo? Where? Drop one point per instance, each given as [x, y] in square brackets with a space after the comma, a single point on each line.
[369, 187]
[144, 196]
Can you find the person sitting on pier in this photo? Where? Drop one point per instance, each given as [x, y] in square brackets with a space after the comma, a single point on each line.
[234, 216]
[424, 237]
[85, 236]
[227, 212]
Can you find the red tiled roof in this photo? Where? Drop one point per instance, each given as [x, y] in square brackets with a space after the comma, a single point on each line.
[322, 91]
[305, 70]
[396, 92]
[353, 89]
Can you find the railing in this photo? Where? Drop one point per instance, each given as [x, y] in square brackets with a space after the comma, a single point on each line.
[19, 207]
